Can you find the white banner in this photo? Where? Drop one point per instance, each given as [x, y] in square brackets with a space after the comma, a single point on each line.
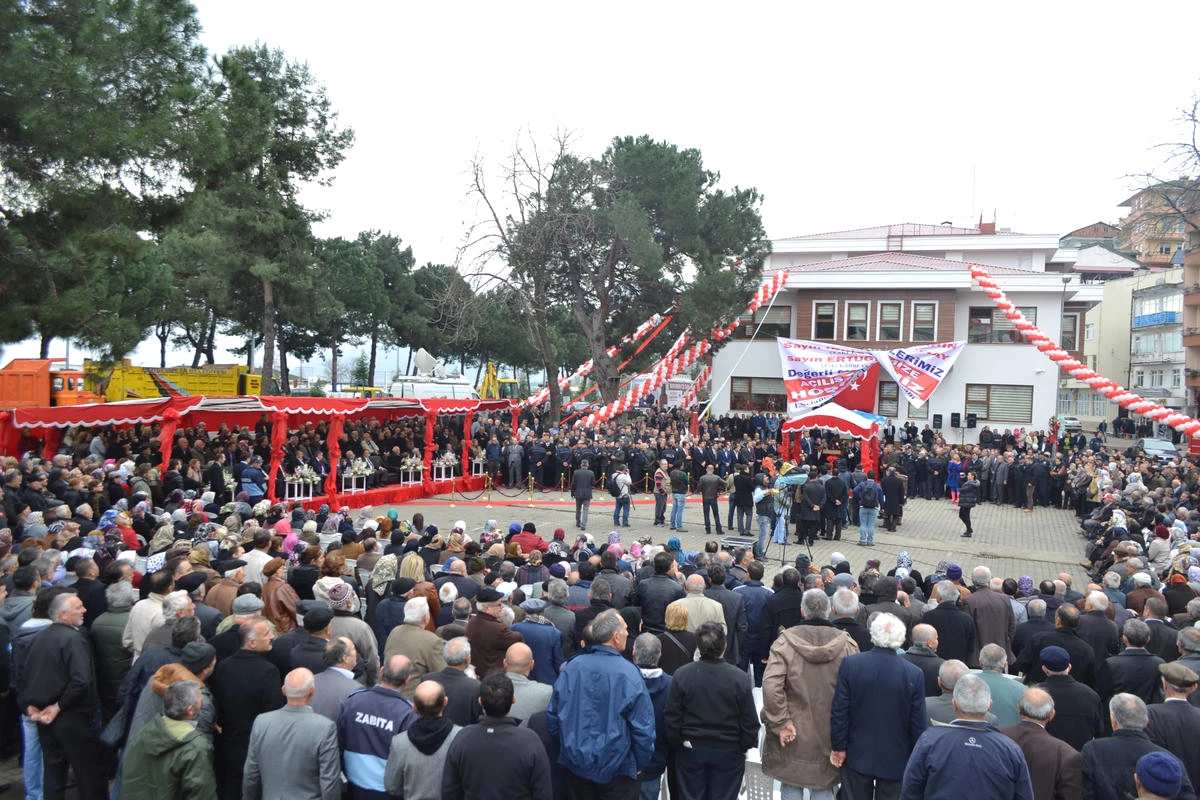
[814, 372]
[919, 370]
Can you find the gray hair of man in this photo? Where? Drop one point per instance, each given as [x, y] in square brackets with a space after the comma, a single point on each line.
[694, 584]
[647, 649]
[600, 590]
[336, 651]
[845, 603]
[606, 625]
[813, 582]
[59, 604]
[1189, 639]
[993, 657]
[1111, 580]
[507, 615]
[923, 635]
[295, 692]
[1036, 609]
[1128, 711]
[557, 592]
[448, 593]
[981, 576]
[1040, 711]
[814, 604]
[416, 611]
[461, 609]
[457, 651]
[947, 592]
[996, 584]
[887, 631]
[179, 697]
[174, 603]
[972, 695]
[1097, 600]
[119, 596]
[950, 672]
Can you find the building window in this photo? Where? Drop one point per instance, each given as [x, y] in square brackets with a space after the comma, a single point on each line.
[890, 322]
[1099, 405]
[1164, 249]
[1139, 377]
[989, 325]
[918, 413]
[1176, 378]
[1156, 378]
[824, 319]
[924, 325]
[1070, 332]
[1064, 402]
[774, 321]
[856, 321]
[1000, 403]
[1089, 331]
[757, 394]
[1083, 403]
[889, 399]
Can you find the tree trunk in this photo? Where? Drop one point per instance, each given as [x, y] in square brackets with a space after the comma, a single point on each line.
[163, 332]
[268, 332]
[408, 366]
[210, 342]
[371, 361]
[285, 382]
[333, 370]
[44, 350]
[541, 339]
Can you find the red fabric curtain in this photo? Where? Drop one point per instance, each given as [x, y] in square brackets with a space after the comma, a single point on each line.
[427, 460]
[466, 444]
[51, 439]
[166, 436]
[336, 425]
[10, 435]
[786, 450]
[279, 432]
[870, 456]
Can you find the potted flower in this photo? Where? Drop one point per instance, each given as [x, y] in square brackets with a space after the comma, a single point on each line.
[443, 466]
[411, 468]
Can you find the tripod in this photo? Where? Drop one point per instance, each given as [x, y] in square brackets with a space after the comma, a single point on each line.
[783, 562]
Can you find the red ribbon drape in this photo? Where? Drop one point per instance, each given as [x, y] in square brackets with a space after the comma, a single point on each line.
[279, 432]
[466, 446]
[785, 451]
[166, 437]
[870, 456]
[334, 443]
[427, 458]
[52, 438]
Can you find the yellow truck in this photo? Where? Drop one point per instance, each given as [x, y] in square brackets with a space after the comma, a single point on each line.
[126, 381]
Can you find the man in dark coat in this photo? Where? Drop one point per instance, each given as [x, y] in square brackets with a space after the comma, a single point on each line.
[992, 614]
[1077, 711]
[782, 610]
[1108, 764]
[878, 714]
[462, 691]
[837, 496]
[734, 606]
[893, 499]
[1055, 768]
[1097, 629]
[956, 629]
[1175, 723]
[811, 503]
[1163, 637]
[1133, 670]
[243, 686]
[923, 654]
[1037, 623]
[1064, 635]
[489, 637]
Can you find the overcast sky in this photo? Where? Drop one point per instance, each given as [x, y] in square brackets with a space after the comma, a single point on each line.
[841, 114]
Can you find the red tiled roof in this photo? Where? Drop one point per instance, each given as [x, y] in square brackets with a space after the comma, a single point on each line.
[901, 229]
[895, 262]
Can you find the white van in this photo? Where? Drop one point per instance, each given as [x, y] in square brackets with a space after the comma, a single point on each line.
[420, 387]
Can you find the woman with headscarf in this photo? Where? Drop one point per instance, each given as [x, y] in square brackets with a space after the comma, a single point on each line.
[304, 575]
[162, 539]
[456, 547]
[128, 536]
[558, 544]
[279, 598]
[381, 582]
[200, 558]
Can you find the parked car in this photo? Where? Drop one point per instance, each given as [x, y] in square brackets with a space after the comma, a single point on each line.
[1069, 423]
[1156, 449]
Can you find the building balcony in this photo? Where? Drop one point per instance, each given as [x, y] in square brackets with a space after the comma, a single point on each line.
[1191, 297]
[1191, 337]
[1192, 383]
[1172, 357]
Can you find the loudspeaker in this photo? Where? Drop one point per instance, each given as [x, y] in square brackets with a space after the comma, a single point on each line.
[955, 420]
[937, 422]
[971, 418]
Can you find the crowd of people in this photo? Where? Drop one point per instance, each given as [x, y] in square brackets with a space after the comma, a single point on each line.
[160, 635]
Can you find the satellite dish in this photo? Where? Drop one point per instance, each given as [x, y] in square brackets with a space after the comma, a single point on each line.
[428, 365]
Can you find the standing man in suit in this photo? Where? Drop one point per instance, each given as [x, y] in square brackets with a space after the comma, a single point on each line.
[1077, 706]
[1109, 763]
[1055, 768]
[956, 630]
[1175, 723]
[1133, 670]
[529, 696]
[992, 614]
[293, 752]
[336, 682]
[893, 499]
[878, 715]
[581, 490]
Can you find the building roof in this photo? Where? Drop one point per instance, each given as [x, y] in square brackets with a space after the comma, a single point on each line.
[895, 262]
[900, 229]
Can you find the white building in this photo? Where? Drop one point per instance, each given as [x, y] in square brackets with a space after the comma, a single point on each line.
[900, 285]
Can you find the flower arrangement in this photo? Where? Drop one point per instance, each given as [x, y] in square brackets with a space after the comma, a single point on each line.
[359, 469]
[447, 459]
[412, 464]
[305, 474]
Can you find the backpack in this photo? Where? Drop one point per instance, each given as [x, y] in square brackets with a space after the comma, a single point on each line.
[868, 495]
[614, 488]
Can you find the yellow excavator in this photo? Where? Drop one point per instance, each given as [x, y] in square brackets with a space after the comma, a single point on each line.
[495, 388]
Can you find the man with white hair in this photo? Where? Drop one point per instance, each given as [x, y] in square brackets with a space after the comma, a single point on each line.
[175, 605]
[1097, 629]
[992, 614]
[1108, 763]
[1055, 767]
[877, 716]
[1006, 692]
[968, 756]
[700, 609]
[956, 628]
[845, 618]
[941, 709]
[412, 639]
